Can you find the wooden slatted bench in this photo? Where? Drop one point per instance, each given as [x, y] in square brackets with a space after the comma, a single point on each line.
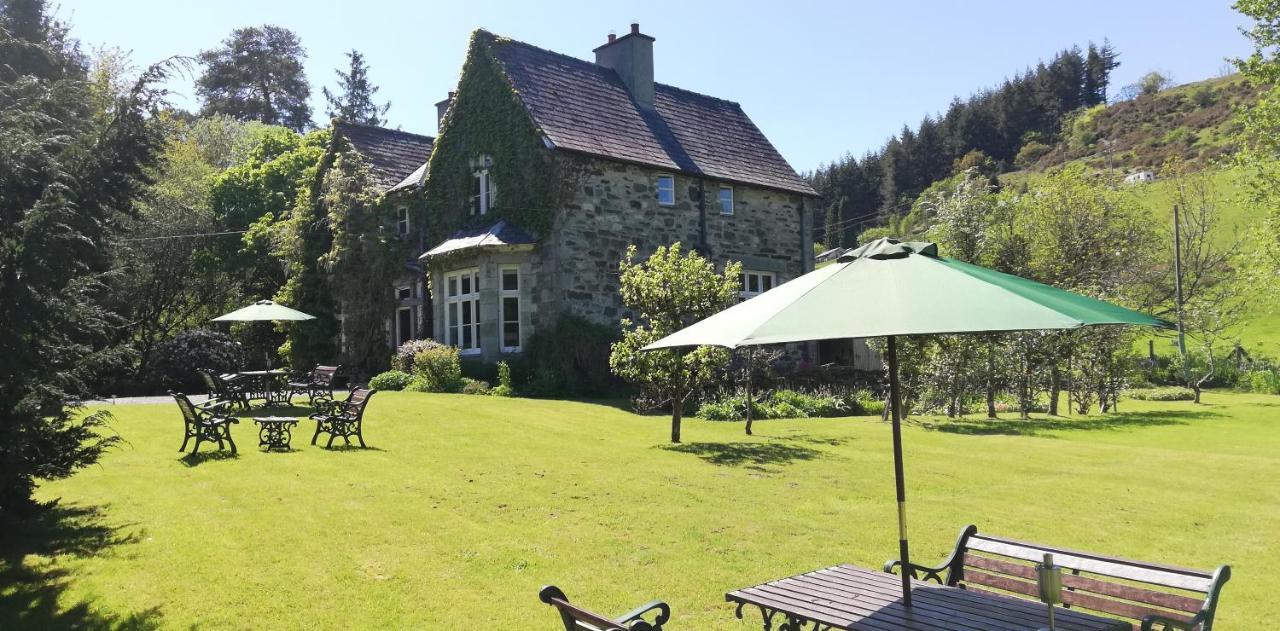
[1160, 597]
[576, 618]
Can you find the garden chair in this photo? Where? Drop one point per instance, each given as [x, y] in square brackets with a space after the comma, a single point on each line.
[205, 422]
[223, 388]
[317, 385]
[342, 419]
[576, 618]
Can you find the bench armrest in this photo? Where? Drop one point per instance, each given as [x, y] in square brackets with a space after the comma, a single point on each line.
[637, 617]
[922, 572]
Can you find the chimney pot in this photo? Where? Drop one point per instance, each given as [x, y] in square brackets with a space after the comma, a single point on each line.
[631, 57]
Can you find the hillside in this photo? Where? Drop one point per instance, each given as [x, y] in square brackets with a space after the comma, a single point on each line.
[1195, 122]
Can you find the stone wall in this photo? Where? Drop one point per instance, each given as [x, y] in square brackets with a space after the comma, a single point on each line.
[617, 206]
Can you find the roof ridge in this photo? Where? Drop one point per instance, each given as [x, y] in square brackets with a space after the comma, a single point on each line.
[346, 123]
[508, 40]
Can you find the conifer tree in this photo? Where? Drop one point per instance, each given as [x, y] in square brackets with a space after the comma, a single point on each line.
[354, 102]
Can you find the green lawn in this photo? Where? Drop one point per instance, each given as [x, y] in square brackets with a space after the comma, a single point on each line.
[466, 505]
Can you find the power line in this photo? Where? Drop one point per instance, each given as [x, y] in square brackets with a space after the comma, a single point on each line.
[186, 236]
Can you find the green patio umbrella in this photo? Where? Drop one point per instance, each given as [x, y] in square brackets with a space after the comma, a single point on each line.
[263, 310]
[889, 288]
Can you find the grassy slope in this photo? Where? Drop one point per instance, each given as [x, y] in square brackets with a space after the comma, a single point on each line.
[1147, 123]
[469, 504]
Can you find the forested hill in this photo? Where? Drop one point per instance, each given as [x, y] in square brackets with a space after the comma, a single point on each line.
[990, 128]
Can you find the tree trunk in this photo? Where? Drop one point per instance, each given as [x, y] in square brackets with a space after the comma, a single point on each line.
[677, 412]
[750, 399]
[991, 380]
[1055, 388]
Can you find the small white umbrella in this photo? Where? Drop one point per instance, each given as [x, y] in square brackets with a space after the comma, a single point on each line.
[264, 310]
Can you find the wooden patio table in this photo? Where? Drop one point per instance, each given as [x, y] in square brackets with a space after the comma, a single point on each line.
[849, 597]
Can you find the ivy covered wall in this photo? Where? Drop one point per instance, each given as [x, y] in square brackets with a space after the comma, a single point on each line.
[487, 118]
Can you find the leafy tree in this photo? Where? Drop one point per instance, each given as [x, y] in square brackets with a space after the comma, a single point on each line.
[257, 75]
[71, 169]
[169, 279]
[1261, 155]
[667, 292]
[255, 195]
[354, 103]
[363, 261]
[1153, 83]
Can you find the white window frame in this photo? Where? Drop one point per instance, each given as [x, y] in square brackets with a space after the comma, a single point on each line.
[746, 293]
[728, 212]
[659, 189]
[454, 330]
[401, 292]
[505, 318]
[403, 224]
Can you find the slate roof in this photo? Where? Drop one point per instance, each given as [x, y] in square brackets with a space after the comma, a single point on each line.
[392, 155]
[499, 234]
[582, 106]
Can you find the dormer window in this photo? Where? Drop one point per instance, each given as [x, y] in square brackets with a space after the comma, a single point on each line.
[482, 192]
[402, 221]
[667, 190]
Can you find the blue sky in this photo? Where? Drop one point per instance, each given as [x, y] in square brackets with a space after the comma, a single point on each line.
[819, 78]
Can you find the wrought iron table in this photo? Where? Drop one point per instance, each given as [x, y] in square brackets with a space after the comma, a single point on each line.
[274, 432]
[849, 597]
[268, 385]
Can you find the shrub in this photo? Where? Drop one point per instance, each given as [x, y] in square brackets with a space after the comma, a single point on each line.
[1170, 393]
[504, 389]
[779, 404]
[863, 403]
[806, 404]
[436, 368]
[1263, 381]
[174, 363]
[1030, 153]
[403, 358]
[474, 386]
[391, 380]
[570, 359]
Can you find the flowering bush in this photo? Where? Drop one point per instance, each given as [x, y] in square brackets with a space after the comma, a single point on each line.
[403, 359]
[174, 363]
[437, 368]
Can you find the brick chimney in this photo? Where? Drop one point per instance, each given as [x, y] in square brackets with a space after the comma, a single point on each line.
[631, 56]
[441, 108]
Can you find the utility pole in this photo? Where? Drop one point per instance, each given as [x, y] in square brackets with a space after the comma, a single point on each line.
[1177, 289]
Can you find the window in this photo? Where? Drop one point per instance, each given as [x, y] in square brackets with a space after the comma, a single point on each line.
[404, 316]
[667, 190]
[483, 192]
[402, 222]
[510, 297]
[462, 310]
[404, 325]
[726, 200]
[755, 283]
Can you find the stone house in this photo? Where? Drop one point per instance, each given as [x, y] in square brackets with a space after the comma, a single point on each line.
[547, 167]
[397, 163]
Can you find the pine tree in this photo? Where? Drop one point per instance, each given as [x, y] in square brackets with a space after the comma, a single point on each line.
[1098, 65]
[72, 171]
[257, 75]
[354, 103]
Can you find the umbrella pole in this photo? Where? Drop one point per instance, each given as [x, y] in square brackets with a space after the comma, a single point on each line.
[895, 404]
